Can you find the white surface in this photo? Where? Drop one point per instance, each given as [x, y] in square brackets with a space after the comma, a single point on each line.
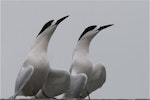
[124, 49]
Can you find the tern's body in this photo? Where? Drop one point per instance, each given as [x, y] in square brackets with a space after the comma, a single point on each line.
[57, 82]
[41, 70]
[35, 69]
[96, 75]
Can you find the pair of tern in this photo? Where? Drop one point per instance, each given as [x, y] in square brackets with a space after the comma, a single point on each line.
[36, 77]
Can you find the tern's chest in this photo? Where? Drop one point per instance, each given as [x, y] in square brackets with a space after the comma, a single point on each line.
[38, 61]
[82, 61]
[83, 65]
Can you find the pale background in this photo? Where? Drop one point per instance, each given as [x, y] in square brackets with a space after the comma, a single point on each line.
[122, 48]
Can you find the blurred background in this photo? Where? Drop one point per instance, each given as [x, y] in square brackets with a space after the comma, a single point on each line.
[122, 48]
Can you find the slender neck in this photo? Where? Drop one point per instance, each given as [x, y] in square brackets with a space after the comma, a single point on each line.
[41, 43]
[82, 47]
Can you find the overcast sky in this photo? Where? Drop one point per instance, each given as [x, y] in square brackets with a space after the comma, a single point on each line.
[122, 48]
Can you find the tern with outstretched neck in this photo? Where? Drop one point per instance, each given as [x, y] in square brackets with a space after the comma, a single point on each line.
[96, 75]
[57, 82]
[35, 70]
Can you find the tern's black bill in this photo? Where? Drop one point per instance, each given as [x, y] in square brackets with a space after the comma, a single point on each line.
[60, 20]
[103, 27]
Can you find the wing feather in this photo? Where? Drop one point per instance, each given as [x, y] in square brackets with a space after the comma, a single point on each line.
[22, 78]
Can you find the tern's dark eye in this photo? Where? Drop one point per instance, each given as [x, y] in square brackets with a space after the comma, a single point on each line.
[45, 26]
[86, 30]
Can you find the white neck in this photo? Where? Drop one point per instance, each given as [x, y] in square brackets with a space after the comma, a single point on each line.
[81, 59]
[82, 47]
[41, 43]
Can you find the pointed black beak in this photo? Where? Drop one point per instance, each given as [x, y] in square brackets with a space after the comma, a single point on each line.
[60, 20]
[103, 27]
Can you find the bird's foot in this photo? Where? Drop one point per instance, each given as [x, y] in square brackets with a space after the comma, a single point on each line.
[88, 95]
[34, 94]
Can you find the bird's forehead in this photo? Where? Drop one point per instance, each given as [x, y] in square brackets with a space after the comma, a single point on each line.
[53, 22]
[96, 28]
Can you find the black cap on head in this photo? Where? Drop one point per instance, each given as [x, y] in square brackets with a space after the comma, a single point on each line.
[45, 26]
[60, 20]
[86, 30]
[103, 27]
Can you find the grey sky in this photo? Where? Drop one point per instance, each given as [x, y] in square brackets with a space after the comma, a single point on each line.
[122, 48]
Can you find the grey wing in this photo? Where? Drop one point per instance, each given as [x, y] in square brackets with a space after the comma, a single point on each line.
[96, 80]
[98, 77]
[57, 82]
[77, 85]
[22, 78]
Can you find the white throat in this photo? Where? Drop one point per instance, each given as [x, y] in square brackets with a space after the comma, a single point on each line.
[41, 42]
[82, 47]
